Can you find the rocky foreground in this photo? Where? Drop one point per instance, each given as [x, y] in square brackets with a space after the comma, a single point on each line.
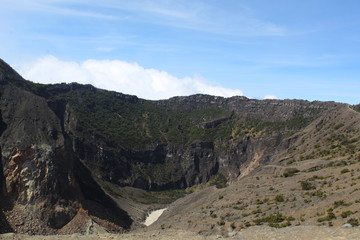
[252, 233]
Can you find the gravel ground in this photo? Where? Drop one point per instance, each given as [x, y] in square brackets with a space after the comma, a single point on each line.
[253, 233]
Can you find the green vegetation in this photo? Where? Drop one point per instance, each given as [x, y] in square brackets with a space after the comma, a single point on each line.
[318, 193]
[356, 107]
[330, 216]
[142, 196]
[221, 223]
[341, 203]
[347, 213]
[274, 220]
[218, 180]
[279, 198]
[124, 121]
[305, 185]
[159, 197]
[256, 211]
[340, 145]
[354, 222]
[289, 172]
[163, 172]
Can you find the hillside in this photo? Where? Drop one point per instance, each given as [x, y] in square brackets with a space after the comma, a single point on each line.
[74, 155]
[314, 182]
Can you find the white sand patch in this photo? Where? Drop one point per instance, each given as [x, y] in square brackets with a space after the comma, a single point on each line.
[153, 216]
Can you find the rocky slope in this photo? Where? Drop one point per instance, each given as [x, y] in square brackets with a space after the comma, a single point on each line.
[70, 153]
[313, 182]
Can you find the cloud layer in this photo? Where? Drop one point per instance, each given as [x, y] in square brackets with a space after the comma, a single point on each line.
[270, 96]
[121, 76]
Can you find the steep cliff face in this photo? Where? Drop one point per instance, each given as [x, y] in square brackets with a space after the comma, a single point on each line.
[36, 164]
[233, 142]
[179, 142]
[41, 179]
[165, 167]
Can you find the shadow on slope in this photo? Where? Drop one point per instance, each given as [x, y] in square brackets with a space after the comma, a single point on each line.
[4, 225]
[97, 202]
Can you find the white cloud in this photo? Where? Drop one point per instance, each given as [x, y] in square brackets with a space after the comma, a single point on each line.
[270, 96]
[120, 76]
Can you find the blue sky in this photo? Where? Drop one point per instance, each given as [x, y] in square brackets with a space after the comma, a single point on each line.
[306, 49]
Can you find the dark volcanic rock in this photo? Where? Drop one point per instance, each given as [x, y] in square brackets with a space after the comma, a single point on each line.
[38, 177]
[165, 167]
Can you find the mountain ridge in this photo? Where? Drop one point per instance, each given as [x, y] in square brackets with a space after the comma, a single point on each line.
[78, 142]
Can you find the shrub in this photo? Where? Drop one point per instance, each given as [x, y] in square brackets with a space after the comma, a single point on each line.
[345, 170]
[221, 222]
[289, 172]
[330, 216]
[354, 222]
[279, 198]
[341, 203]
[305, 185]
[273, 220]
[318, 193]
[345, 214]
[219, 180]
[256, 211]
[290, 218]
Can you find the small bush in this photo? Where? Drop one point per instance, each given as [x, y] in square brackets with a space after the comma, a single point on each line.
[289, 172]
[305, 185]
[354, 222]
[330, 216]
[279, 198]
[318, 193]
[345, 170]
[221, 223]
[290, 218]
[256, 211]
[273, 220]
[345, 214]
[219, 180]
[341, 203]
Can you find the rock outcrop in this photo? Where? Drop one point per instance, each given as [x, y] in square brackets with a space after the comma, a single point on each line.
[43, 182]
